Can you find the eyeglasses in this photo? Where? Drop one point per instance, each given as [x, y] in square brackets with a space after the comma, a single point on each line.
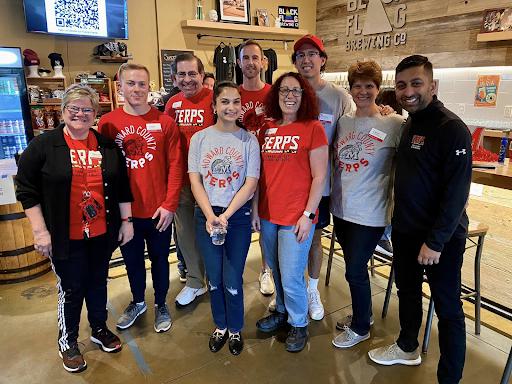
[191, 74]
[309, 54]
[74, 110]
[284, 91]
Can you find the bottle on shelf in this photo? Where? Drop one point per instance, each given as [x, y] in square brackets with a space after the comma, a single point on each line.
[199, 10]
[503, 149]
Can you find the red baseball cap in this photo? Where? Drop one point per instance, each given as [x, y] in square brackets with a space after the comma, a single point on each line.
[309, 39]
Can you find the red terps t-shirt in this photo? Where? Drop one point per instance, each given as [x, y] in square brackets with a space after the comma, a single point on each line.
[286, 178]
[253, 107]
[152, 148]
[85, 157]
[191, 115]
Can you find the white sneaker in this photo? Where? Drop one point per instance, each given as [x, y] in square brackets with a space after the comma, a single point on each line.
[348, 338]
[316, 309]
[188, 295]
[272, 305]
[267, 287]
[393, 354]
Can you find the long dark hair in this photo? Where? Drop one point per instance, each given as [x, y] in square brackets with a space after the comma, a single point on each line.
[308, 109]
[217, 90]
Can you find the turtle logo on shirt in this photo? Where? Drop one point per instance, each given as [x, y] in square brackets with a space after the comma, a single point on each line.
[350, 152]
[222, 166]
[134, 147]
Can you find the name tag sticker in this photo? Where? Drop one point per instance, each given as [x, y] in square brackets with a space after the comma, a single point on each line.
[94, 154]
[326, 117]
[176, 104]
[375, 134]
[271, 131]
[154, 126]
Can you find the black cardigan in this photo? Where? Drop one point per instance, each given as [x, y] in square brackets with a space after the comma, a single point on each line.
[44, 177]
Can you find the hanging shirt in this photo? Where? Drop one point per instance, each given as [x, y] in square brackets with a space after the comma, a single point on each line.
[253, 108]
[272, 64]
[286, 177]
[152, 148]
[85, 158]
[224, 60]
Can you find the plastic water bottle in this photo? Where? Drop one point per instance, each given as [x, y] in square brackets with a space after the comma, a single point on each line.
[503, 150]
[218, 235]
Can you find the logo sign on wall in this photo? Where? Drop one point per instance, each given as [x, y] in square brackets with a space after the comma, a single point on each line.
[375, 24]
[288, 16]
[487, 90]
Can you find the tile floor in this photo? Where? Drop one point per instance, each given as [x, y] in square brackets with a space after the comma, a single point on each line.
[29, 354]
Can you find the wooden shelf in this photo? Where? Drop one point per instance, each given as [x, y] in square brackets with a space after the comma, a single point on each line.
[46, 78]
[496, 133]
[43, 104]
[109, 59]
[247, 30]
[494, 36]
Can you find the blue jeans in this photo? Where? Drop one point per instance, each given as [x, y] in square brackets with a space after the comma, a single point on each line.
[158, 244]
[358, 243]
[288, 260]
[224, 266]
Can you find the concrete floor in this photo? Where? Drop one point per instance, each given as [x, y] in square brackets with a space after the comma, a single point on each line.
[29, 353]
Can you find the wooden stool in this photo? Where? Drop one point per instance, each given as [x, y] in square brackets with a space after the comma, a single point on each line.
[332, 249]
[475, 230]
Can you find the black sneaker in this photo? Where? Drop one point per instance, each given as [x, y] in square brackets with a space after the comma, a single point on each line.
[72, 359]
[217, 340]
[272, 322]
[107, 340]
[297, 339]
[182, 273]
[235, 343]
[385, 247]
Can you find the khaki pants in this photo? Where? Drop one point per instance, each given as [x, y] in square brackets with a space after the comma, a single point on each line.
[185, 230]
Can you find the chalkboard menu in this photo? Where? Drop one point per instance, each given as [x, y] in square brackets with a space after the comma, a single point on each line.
[167, 57]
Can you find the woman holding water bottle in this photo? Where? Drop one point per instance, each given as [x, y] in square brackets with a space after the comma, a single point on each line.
[224, 167]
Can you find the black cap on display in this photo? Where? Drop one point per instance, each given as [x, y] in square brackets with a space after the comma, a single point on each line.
[56, 59]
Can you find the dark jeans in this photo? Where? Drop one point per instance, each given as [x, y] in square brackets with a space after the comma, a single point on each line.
[158, 244]
[83, 275]
[224, 266]
[324, 213]
[358, 243]
[445, 285]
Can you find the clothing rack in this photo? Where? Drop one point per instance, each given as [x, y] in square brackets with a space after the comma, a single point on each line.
[285, 41]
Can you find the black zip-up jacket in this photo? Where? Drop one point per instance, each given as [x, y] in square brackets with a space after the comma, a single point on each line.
[44, 177]
[433, 176]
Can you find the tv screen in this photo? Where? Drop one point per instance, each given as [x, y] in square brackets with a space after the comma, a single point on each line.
[87, 18]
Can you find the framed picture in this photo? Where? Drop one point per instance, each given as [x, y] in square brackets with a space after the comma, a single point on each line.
[234, 11]
[491, 20]
[288, 16]
[262, 17]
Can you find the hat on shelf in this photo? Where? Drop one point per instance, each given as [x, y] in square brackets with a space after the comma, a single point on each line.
[31, 58]
[309, 39]
[56, 59]
[99, 75]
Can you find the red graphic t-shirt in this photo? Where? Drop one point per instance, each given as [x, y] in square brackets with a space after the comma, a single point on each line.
[191, 115]
[152, 148]
[85, 158]
[285, 172]
[253, 108]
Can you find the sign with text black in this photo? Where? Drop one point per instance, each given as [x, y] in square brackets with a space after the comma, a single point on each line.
[167, 58]
[288, 16]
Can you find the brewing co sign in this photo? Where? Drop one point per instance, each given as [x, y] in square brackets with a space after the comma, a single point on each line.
[369, 26]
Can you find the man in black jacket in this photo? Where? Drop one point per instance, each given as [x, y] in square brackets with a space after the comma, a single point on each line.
[432, 180]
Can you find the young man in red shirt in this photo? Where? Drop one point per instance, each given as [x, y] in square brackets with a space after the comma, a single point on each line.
[150, 143]
[253, 92]
[192, 111]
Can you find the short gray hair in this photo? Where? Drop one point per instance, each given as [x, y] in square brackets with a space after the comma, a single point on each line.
[79, 91]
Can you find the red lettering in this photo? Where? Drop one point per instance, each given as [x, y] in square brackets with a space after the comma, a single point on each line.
[236, 175]
[364, 162]
[222, 183]
[213, 180]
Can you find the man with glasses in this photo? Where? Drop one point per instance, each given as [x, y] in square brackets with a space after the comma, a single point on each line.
[309, 57]
[150, 143]
[192, 111]
[253, 92]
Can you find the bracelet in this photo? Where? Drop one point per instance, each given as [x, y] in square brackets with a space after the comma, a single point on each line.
[128, 219]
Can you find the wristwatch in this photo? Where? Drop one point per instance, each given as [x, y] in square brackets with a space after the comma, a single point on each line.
[309, 215]
[128, 219]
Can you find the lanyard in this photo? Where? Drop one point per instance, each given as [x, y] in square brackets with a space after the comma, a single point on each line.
[83, 165]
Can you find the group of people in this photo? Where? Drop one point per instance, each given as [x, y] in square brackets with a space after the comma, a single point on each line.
[277, 159]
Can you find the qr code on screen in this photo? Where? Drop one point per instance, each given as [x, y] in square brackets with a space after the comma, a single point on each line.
[81, 14]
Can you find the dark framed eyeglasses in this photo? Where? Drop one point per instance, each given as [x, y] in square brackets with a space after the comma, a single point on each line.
[285, 91]
[309, 54]
[191, 74]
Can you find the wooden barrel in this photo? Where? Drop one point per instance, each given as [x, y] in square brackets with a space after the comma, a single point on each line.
[18, 259]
